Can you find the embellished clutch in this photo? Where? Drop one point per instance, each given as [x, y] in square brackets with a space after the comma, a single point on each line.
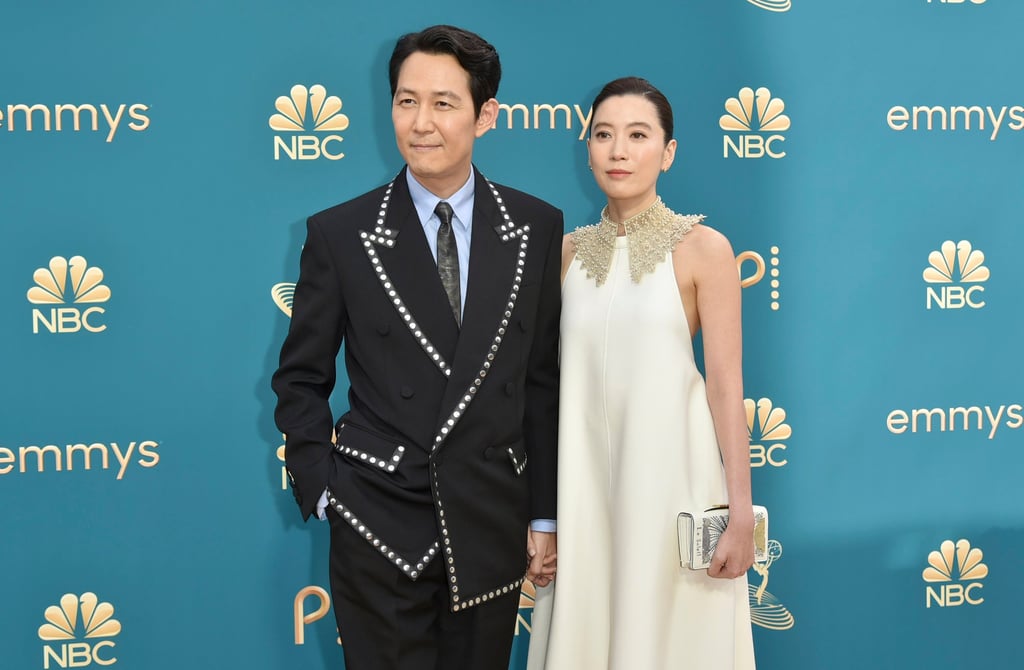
[699, 532]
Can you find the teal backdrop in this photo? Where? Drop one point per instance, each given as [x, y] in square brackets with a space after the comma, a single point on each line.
[863, 157]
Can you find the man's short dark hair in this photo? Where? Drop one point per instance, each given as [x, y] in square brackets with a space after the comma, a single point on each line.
[475, 55]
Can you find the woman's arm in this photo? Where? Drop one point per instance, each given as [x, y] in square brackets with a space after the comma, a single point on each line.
[716, 296]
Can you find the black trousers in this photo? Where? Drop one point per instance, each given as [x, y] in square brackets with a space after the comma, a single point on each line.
[390, 622]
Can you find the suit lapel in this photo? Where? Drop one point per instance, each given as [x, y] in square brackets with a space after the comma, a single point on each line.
[397, 249]
[490, 297]
[408, 274]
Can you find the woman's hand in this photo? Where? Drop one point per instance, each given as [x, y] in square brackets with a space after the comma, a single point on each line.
[542, 548]
[735, 551]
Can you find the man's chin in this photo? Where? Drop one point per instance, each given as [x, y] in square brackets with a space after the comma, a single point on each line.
[426, 171]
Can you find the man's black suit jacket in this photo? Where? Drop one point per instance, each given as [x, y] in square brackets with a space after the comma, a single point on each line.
[449, 447]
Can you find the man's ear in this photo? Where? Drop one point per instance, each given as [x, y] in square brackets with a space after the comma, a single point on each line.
[486, 118]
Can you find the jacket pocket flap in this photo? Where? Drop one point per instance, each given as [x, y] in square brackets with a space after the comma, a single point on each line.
[515, 452]
[363, 445]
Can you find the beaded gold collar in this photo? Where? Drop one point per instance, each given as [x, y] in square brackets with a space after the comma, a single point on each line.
[651, 234]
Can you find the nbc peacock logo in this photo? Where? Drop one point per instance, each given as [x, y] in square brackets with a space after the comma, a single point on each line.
[778, 5]
[956, 569]
[767, 427]
[303, 111]
[65, 281]
[765, 609]
[82, 618]
[283, 295]
[755, 118]
[958, 272]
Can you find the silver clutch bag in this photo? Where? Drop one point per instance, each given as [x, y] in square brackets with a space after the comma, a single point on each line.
[699, 532]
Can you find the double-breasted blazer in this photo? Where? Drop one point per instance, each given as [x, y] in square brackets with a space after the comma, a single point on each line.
[448, 449]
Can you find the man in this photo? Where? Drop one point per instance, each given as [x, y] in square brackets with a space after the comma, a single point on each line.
[445, 290]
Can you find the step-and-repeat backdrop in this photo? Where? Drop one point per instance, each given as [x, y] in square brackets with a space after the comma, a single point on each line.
[158, 161]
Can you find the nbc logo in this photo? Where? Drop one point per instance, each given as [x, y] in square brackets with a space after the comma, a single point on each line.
[52, 288]
[63, 621]
[283, 294]
[784, 5]
[308, 110]
[766, 425]
[948, 567]
[949, 268]
[751, 113]
[765, 609]
[527, 598]
[760, 267]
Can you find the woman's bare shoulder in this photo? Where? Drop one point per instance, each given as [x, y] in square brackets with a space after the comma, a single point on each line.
[568, 247]
[706, 241]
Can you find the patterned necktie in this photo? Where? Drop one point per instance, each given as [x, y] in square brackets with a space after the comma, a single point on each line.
[448, 259]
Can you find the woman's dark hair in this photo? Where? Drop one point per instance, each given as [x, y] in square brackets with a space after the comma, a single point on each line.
[476, 56]
[643, 88]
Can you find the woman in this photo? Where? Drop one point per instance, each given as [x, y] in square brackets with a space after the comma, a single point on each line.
[641, 437]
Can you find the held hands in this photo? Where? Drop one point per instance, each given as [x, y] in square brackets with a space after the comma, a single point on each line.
[734, 553]
[542, 548]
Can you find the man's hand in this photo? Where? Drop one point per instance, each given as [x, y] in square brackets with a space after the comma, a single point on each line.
[542, 549]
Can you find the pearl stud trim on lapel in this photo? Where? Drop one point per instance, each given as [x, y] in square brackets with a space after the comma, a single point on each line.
[508, 231]
[386, 237]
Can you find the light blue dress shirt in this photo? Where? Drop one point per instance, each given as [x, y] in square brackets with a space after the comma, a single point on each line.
[462, 222]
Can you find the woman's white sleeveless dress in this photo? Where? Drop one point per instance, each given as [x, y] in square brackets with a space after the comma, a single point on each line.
[636, 446]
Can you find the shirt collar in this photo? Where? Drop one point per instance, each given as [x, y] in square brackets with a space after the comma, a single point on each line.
[461, 201]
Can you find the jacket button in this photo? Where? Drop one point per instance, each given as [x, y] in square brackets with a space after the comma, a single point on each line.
[383, 329]
[407, 392]
[510, 388]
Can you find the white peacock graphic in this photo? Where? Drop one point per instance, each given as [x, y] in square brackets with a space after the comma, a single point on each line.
[769, 422]
[283, 295]
[957, 561]
[324, 110]
[62, 621]
[52, 286]
[773, 5]
[957, 262]
[741, 110]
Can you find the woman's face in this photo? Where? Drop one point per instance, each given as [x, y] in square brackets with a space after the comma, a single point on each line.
[627, 149]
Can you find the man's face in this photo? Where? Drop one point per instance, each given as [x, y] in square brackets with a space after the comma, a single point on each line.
[435, 123]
